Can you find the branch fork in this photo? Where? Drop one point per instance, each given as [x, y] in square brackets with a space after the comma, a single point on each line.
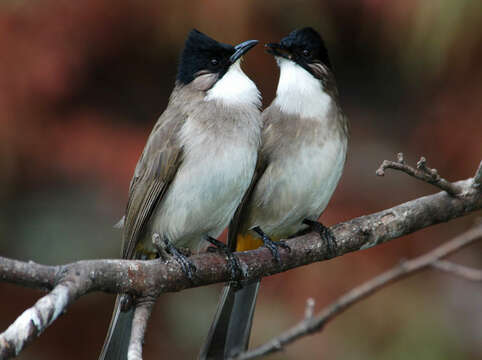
[311, 324]
[146, 280]
[421, 172]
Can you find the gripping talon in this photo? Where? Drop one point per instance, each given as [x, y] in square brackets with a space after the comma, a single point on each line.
[272, 245]
[160, 246]
[233, 262]
[187, 266]
[326, 235]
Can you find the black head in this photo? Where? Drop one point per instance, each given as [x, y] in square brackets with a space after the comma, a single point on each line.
[203, 55]
[303, 46]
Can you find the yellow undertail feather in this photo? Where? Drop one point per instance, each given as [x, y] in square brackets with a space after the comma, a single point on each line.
[246, 242]
[143, 252]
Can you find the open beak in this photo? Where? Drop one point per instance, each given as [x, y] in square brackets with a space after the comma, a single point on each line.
[241, 49]
[278, 50]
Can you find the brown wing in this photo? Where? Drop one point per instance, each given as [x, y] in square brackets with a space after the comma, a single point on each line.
[155, 170]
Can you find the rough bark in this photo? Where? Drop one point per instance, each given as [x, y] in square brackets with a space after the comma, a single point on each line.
[149, 279]
[311, 324]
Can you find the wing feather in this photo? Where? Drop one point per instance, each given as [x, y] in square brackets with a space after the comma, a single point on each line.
[154, 172]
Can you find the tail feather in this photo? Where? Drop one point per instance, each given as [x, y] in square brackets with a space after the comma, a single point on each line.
[213, 347]
[241, 319]
[230, 331]
[117, 340]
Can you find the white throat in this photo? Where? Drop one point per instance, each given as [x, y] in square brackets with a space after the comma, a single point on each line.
[235, 88]
[299, 92]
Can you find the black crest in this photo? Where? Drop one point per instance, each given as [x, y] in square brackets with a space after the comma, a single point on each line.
[307, 44]
[203, 53]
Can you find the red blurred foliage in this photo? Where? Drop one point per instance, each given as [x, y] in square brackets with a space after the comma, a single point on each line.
[448, 132]
[81, 84]
[52, 48]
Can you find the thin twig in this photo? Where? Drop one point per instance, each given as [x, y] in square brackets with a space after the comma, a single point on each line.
[478, 177]
[142, 314]
[422, 172]
[462, 271]
[151, 278]
[311, 325]
[35, 320]
[310, 308]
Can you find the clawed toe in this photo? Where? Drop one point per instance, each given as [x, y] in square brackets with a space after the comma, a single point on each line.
[325, 233]
[187, 266]
[283, 245]
[233, 262]
[272, 245]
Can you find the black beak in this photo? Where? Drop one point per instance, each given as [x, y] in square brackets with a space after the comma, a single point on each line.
[278, 50]
[241, 49]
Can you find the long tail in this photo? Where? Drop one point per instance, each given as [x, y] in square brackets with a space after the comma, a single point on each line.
[116, 342]
[231, 328]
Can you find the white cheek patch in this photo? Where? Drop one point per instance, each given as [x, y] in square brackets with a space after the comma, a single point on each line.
[299, 92]
[235, 88]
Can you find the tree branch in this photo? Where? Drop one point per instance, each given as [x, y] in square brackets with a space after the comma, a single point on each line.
[142, 314]
[149, 279]
[422, 172]
[464, 272]
[310, 324]
[36, 319]
[478, 177]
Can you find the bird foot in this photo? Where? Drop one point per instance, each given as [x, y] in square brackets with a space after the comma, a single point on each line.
[326, 235]
[160, 247]
[233, 262]
[167, 250]
[272, 245]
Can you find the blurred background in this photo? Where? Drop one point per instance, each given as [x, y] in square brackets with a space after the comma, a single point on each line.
[82, 83]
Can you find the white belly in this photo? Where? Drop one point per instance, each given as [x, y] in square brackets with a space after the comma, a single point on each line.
[205, 193]
[298, 187]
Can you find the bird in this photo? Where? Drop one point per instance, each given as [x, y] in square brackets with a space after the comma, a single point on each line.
[302, 156]
[195, 168]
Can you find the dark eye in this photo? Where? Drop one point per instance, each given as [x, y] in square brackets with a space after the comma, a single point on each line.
[214, 61]
[306, 52]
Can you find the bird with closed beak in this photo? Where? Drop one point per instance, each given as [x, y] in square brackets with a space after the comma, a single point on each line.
[304, 144]
[196, 165]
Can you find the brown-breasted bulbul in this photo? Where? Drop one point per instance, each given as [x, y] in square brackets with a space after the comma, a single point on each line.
[303, 151]
[196, 166]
